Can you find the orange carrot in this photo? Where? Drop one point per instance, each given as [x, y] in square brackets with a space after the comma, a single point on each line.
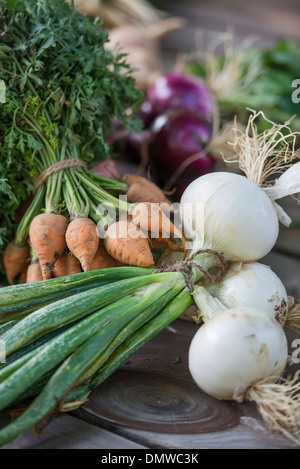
[83, 241]
[34, 273]
[73, 264]
[23, 276]
[103, 260]
[47, 238]
[67, 264]
[165, 243]
[128, 244]
[143, 190]
[120, 264]
[149, 217]
[15, 260]
[60, 268]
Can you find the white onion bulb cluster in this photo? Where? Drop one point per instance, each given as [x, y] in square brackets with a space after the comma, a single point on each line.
[234, 350]
[241, 342]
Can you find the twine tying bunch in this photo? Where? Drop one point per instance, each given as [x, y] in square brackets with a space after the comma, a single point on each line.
[55, 168]
[186, 266]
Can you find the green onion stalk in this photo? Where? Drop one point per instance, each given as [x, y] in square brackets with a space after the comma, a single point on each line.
[58, 353]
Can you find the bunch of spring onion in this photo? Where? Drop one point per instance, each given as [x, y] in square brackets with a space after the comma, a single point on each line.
[65, 336]
[239, 217]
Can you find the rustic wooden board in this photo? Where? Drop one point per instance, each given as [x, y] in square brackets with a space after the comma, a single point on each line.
[288, 270]
[67, 432]
[289, 238]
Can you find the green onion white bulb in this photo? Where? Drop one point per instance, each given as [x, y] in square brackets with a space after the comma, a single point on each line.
[230, 214]
[236, 349]
[254, 285]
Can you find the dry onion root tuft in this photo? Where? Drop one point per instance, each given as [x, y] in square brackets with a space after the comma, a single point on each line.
[293, 316]
[279, 405]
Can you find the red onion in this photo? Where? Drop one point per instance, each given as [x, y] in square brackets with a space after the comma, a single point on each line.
[177, 117]
[179, 91]
[177, 148]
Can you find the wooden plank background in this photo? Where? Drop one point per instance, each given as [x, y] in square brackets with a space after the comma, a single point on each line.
[267, 20]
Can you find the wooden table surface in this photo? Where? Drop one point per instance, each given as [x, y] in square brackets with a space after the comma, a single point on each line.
[267, 20]
[151, 401]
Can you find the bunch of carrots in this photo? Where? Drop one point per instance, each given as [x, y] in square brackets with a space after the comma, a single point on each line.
[58, 245]
[54, 130]
[63, 92]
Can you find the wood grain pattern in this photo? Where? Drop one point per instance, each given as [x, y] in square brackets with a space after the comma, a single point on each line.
[157, 402]
[288, 270]
[67, 432]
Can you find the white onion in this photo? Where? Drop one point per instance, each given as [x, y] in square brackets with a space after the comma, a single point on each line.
[254, 285]
[230, 214]
[236, 349]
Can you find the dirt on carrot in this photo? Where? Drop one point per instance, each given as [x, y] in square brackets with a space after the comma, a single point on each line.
[83, 241]
[60, 268]
[127, 243]
[67, 264]
[73, 264]
[47, 238]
